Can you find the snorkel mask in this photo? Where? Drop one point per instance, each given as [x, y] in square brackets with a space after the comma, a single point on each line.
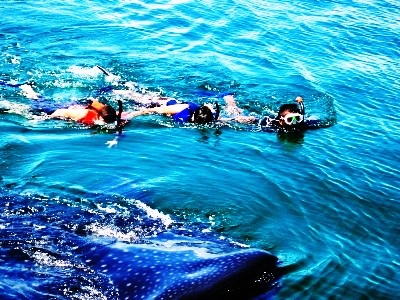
[292, 118]
[295, 116]
[300, 103]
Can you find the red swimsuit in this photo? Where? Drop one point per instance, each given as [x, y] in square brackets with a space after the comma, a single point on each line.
[90, 117]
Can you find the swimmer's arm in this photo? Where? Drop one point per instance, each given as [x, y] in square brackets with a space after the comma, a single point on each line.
[240, 119]
[169, 110]
[68, 113]
[60, 113]
[230, 101]
[231, 106]
[245, 119]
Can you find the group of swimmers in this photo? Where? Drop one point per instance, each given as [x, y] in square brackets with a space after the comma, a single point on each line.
[291, 116]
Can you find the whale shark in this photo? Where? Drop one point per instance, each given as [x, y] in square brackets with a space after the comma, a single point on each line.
[152, 272]
[53, 249]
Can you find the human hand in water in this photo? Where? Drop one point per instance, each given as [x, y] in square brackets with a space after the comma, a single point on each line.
[112, 143]
[232, 109]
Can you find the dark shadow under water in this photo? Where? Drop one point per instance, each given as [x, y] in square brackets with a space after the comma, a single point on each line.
[118, 248]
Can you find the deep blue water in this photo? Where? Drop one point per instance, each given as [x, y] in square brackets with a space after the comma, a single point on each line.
[326, 204]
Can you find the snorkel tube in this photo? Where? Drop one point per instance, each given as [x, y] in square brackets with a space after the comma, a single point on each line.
[300, 103]
[217, 111]
[119, 123]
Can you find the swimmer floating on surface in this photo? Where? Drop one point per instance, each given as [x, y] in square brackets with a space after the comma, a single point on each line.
[180, 112]
[94, 113]
[290, 118]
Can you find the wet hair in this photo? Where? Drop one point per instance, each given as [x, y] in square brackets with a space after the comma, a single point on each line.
[108, 114]
[293, 108]
[203, 115]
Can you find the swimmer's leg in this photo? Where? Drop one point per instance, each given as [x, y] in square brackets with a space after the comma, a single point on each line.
[26, 88]
[41, 104]
[28, 92]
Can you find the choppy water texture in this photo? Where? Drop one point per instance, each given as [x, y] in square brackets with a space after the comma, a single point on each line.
[326, 204]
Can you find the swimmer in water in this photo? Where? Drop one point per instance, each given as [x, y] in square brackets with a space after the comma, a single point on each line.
[95, 113]
[152, 103]
[181, 112]
[291, 117]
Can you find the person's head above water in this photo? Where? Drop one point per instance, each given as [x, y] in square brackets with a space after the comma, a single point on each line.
[106, 112]
[203, 115]
[291, 115]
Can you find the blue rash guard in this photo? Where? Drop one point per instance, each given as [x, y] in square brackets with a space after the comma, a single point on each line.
[184, 115]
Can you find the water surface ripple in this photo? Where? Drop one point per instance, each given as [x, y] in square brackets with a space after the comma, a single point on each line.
[326, 204]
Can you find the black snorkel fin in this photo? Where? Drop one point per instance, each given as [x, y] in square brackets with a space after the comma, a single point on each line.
[109, 74]
[105, 72]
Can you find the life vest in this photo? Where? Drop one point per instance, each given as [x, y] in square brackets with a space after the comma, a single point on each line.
[91, 117]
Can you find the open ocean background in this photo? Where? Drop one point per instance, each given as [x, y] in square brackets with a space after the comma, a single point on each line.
[326, 203]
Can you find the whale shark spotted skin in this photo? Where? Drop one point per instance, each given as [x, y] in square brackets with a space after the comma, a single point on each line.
[56, 251]
[148, 272]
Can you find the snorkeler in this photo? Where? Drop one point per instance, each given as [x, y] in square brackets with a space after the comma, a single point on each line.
[291, 116]
[181, 112]
[94, 113]
[153, 103]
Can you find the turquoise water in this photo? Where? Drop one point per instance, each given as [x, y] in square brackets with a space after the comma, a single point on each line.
[326, 203]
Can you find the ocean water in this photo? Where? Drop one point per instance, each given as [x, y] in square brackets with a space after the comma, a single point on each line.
[325, 203]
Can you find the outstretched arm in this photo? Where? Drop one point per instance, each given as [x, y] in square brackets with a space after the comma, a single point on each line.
[233, 110]
[168, 110]
[75, 114]
[231, 106]
[240, 119]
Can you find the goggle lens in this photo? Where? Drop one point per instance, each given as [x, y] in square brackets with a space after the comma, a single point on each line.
[292, 118]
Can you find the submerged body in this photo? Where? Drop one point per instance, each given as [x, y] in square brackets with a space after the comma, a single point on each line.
[180, 112]
[149, 272]
[290, 118]
[81, 263]
[92, 114]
